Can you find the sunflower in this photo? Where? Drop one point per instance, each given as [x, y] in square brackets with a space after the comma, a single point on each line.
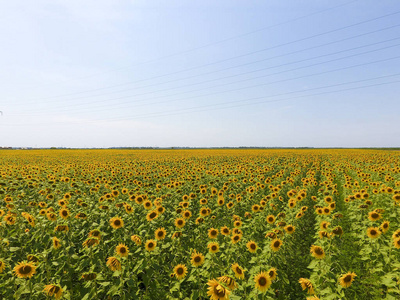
[113, 263]
[95, 233]
[136, 239]
[2, 266]
[160, 233]
[10, 220]
[272, 274]
[270, 219]
[179, 222]
[373, 232]
[228, 281]
[61, 228]
[374, 216]
[324, 225]
[251, 246]
[180, 271]
[225, 230]
[160, 210]
[53, 290]
[306, 284]
[213, 247]
[116, 222]
[199, 220]
[384, 226]
[177, 234]
[122, 250]
[88, 276]
[147, 204]
[91, 241]
[216, 291]
[236, 238]
[129, 209]
[317, 252]
[197, 259]
[276, 244]
[237, 223]
[239, 272]
[56, 243]
[24, 269]
[150, 245]
[396, 234]
[290, 229]
[64, 213]
[396, 243]
[338, 231]
[212, 233]
[346, 279]
[152, 215]
[263, 281]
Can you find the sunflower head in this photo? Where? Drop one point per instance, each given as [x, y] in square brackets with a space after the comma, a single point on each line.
[116, 222]
[160, 233]
[317, 252]
[263, 281]
[216, 291]
[213, 247]
[197, 259]
[238, 270]
[122, 250]
[373, 232]
[180, 271]
[251, 246]
[150, 245]
[54, 290]
[24, 269]
[346, 279]
[113, 263]
[276, 244]
[272, 273]
[306, 284]
[228, 281]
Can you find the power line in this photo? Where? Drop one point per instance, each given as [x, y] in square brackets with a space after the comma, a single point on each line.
[174, 112]
[208, 73]
[212, 43]
[236, 89]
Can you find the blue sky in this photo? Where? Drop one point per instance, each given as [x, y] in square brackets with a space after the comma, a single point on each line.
[200, 73]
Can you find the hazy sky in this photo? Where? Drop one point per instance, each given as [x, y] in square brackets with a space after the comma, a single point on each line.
[200, 73]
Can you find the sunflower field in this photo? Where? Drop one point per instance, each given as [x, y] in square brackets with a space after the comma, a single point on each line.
[200, 224]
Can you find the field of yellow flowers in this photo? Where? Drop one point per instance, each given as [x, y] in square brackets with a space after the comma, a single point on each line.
[200, 224]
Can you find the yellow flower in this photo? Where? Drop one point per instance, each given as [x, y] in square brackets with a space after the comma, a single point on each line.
[263, 281]
[306, 284]
[116, 223]
[276, 244]
[197, 259]
[346, 279]
[317, 252]
[216, 291]
[160, 233]
[238, 270]
[25, 270]
[373, 232]
[150, 245]
[53, 290]
[113, 263]
[213, 247]
[122, 250]
[251, 246]
[180, 271]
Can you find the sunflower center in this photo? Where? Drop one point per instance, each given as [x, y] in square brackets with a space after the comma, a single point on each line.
[319, 251]
[151, 245]
[197, 259]
[253, 246]
[160, 233]
[117, 222]
[179, 271]
[219, 291]
[153, 215]
[374, 232]
[347, 278]
[238, 270]
[25, 269]
[262, 281]
[122, 250]
[277, 244]
[213, 248]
